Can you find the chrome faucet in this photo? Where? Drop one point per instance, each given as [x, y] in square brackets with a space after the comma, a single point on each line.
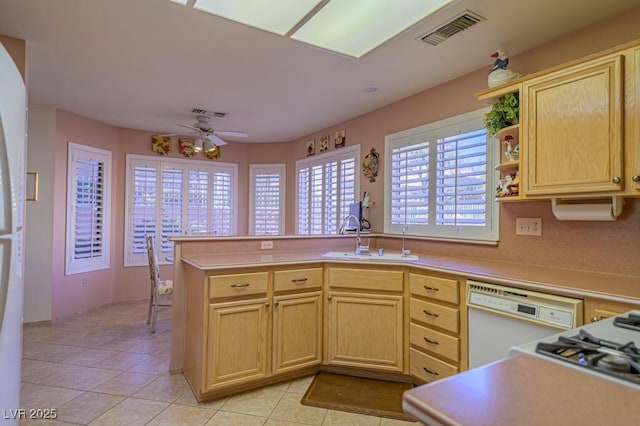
[359, 247]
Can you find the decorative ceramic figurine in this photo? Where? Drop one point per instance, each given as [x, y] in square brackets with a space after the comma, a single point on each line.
[499, 73]
[511, 152]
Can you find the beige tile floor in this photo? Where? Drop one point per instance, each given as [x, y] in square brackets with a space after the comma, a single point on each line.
[105, 368]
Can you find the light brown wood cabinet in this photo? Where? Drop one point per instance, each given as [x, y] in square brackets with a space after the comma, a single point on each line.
[435, 329]
[253, 326]
[365, 318]
[599, 309]
[573, 124]
[579, 127]
[297, 331]
[237, 343]
[632, 122]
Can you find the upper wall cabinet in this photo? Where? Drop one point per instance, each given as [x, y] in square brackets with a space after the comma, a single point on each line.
[632, 123]
[572, 120]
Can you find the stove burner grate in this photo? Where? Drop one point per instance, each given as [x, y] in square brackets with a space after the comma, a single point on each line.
[631, 322]
[599, 355]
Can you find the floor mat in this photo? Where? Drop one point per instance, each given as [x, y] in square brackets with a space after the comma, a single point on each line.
[357, 395]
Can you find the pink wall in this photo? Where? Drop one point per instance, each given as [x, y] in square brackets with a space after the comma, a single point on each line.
[605, 246]
[68, 293]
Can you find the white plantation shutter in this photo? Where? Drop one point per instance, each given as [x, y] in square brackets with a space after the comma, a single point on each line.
[170, 197]
[266, 215]
[410, 184]
[326, 186]
[88, 214]
[462, 180]
[197, 211]
[144, 205]
[172, 181]
[222, 203]
[440, 179]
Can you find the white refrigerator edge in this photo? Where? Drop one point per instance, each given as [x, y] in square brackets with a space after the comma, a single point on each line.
[13, 106]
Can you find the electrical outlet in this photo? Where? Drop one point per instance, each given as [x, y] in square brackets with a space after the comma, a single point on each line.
[529, 226]
[266, 245]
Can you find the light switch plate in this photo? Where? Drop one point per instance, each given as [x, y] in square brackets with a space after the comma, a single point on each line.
[266, 245]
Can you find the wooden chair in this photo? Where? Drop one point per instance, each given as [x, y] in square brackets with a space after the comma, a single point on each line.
[158, 287]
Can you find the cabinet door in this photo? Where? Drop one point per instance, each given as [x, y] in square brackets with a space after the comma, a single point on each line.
[237, 343]
[573, 129]
[633, 119]
[366, 331]
[297, 331]
[599, 309]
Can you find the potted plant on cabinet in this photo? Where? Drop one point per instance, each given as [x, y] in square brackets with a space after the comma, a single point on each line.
[503, 113]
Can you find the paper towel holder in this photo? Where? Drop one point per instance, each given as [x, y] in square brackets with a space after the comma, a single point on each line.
[572, 211]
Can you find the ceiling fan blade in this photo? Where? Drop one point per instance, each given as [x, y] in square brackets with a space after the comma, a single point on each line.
[195, 129]
[169, 134]
[216, 140]
[230, 133]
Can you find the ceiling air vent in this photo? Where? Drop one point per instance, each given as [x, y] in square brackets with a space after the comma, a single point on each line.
[465, 20]
[216, 114]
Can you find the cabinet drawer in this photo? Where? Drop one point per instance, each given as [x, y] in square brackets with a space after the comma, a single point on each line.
[444, 289]
[434, 341]
[428, 368]
[297, 279]
[365, 279]
[434, 314]
[238, 284]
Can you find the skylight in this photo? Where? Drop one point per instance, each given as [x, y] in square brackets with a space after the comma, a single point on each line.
[277, 16]
[348, 27]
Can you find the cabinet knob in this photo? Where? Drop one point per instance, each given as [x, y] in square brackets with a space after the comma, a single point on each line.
[617, 179]
[636, 178]
[276, 303]
[266, 305]
[595, 319]
[329, 297]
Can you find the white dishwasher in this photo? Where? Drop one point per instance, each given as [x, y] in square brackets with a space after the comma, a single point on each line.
[501, 317]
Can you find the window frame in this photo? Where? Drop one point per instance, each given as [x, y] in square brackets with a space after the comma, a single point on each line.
[160, 164]
[75, 153]
[432, 133]
[254, 170]
[322, 160]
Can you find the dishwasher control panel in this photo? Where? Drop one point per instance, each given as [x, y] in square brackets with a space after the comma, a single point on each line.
[558, 311]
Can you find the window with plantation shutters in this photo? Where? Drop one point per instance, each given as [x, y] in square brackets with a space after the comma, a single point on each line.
[88, 209]
[326, 185]
[170, 197]
[266, 195]
[440, 180]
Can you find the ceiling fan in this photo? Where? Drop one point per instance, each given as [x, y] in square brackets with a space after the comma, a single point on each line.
[206, 137]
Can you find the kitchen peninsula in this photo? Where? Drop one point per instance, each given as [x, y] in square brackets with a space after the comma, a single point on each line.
[288, 301]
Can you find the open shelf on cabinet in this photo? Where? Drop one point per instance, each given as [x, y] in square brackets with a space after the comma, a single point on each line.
[509, 166]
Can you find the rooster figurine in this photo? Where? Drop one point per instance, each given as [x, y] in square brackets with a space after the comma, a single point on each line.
[499, 73]
[511, 152]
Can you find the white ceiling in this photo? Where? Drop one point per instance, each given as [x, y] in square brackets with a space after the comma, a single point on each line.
[144, 64]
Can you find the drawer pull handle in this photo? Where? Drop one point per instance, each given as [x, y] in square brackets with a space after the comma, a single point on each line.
[431, 314]
[426, 287]
[433, 342]
[240, 285]
[299, 280]
[433, 373]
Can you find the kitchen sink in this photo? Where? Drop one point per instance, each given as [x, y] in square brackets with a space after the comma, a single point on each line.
[370, 256]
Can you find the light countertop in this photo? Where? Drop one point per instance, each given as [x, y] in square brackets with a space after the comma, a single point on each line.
[523, 390]
[622, 288]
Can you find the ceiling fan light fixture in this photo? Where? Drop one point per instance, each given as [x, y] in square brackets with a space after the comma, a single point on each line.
[197, 145]
[209, 145]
